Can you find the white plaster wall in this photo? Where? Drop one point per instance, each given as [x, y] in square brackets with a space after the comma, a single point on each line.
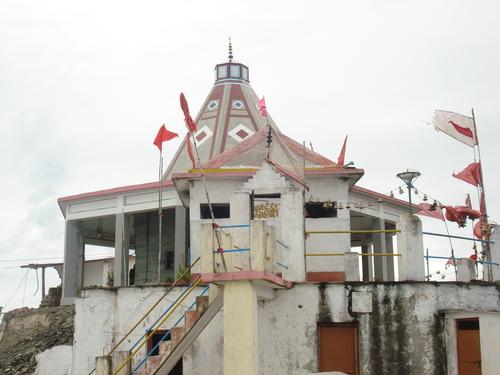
[54, 361]
[93, 274]
[334, 190]
[103, 316]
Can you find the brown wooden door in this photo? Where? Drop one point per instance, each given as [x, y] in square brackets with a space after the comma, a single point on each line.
[468, 347]
[338, 348]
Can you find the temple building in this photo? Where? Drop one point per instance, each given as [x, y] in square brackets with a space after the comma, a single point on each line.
[273, 260]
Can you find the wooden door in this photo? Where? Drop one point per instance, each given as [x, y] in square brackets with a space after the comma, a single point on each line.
[468, 347]
[338, 348]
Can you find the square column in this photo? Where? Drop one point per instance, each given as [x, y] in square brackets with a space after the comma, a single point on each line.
[74, 257]
[379, 247]
[180, 238]
[122, 241]
[292, 232]
[495, 254]
[411, 247]
[241, 342]
[389, 248]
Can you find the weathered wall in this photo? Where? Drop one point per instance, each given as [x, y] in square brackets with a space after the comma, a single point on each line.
[54, 361]
[104, 315]
[31, 331]
[404, 334]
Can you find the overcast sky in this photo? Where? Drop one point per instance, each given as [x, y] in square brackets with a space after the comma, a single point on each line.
[84, 87]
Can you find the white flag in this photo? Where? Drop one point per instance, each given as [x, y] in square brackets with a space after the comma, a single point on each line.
[455, 125]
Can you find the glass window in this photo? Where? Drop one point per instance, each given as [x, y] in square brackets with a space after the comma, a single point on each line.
[221, 71]
[244, 72]
[235, 71]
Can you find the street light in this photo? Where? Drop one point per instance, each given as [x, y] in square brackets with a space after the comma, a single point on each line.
[409, 177]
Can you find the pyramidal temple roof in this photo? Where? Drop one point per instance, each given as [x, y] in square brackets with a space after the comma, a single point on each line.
[229, 125]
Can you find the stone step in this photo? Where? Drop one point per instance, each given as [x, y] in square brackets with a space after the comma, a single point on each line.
[201, 304]
[176, 334]
[165, 348]
[190, 317]
[152, 363]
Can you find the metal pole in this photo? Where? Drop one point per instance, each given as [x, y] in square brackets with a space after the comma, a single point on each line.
[485, 246]
[43, 282]
[428, 277]
[409, 185]
[160, 214]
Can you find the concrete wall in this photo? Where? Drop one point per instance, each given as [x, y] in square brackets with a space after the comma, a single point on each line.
[404, 333]
[54, 361]
[104, 316]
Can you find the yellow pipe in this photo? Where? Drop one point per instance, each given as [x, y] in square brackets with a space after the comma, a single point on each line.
[360, 254]
[152, 307]
[352, 231]
[195, 284]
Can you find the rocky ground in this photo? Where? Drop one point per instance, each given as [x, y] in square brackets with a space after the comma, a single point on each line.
[26, 332]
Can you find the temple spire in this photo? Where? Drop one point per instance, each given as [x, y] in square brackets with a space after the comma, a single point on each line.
[230, 51]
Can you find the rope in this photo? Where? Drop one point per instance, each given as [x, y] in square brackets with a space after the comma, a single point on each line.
[15, 291]
[214, 224]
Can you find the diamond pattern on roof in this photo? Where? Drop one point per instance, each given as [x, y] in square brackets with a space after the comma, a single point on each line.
[202, 135]
[238, 104]
[212, 105]
[240, 133]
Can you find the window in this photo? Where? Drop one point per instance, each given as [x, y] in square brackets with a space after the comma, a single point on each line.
[235, 71]
[221, 211]
[265, 206]
[221, 71]
[338, 347]
[316, 210]
[245, 73]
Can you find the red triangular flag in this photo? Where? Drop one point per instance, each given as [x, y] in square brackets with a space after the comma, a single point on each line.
[162, 136]
[471, 174]
[263, 107]
[340, 160]
[190, 124]
[425, 210]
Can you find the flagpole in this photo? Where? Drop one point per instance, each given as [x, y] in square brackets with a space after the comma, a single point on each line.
[485, 228]
[160, 213]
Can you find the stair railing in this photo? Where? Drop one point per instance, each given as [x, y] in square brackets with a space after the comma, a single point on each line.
[205, 290]
[174, 284]
[163, 320]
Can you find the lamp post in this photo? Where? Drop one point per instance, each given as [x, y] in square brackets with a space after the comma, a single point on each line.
[409, 176]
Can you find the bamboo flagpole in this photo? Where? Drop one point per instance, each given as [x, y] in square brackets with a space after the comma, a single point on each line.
[484, 227]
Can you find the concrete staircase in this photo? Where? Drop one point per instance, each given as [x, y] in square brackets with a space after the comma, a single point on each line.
[182, 337]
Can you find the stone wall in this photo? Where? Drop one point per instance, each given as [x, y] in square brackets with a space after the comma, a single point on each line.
[28, 332]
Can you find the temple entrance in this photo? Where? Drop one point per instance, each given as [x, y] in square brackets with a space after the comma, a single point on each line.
[468, 347]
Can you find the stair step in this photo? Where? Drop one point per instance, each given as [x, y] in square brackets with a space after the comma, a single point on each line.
[190, 317]
[165, 348]
[176, 334]
[152, 363]
[201, 304]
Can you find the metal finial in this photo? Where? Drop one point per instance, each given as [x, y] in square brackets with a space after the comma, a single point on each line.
[230, 50]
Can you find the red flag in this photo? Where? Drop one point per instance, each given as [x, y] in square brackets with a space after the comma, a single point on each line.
[478, 229]
[456, 125]
[262, 107]
[471, 174]
[190, 150]
[425, 210]
[473, 257]
[340, 160]
[162, 136]
[190, 124]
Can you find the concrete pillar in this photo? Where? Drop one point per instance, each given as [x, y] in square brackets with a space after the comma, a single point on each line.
[180, 239]
[411, 247]
[119, 357]
[292, 233]
[495, 253]
[379, 247]
[241, 349]
[351, 263]
[74, 257]
[122, 241]
[103, 365]
[466, 270]
[389, 248]
[366, 261]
